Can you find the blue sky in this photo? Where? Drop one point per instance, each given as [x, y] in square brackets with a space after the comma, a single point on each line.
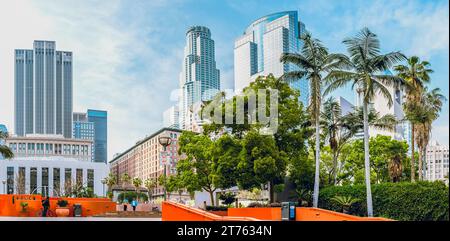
[128, 54]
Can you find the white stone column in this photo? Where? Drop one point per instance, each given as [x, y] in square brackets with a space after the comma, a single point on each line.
[39, 179]
[50, 181]
[27, 179]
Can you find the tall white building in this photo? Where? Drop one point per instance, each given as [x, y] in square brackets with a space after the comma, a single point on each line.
[437, 162]
[171, 117]
[257, 52]
[199, 78]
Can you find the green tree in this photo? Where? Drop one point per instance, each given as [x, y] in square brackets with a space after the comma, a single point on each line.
[314, 61]
[137, 182]
[110, 181]
[424, 113]
[5, 151]
[150, 184]
[365, 69]
[415, 75]
[387, 157]
[203, 169]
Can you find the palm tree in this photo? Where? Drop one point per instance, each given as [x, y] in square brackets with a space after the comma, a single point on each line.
[339, 129]
[125, 180]
[110, 181]
[150, 184]
[366, 71]
[137, 182]
[424, 113]
[415, 76]
[313, 62]
[5, 151]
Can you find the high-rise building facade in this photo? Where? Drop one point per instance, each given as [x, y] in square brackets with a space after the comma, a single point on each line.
[99, 118]
[146, 159]
[171, 117]
[437, 161]
[199, 78]
[43, 90]
[83, 129]
[258, 51]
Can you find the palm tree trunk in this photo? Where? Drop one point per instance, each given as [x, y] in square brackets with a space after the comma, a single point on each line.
[335, 168]
[420, 164]
[413, 169]
[317, 173]
[367, 161]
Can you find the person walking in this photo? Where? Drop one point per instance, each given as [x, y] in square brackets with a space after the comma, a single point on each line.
[45, 206]
[134, 204]
[125, 204]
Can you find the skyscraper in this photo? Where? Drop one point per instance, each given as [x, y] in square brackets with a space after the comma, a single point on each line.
[258, 51]
[43, 90]
[199, 78]
[171, 117]
[100, 120]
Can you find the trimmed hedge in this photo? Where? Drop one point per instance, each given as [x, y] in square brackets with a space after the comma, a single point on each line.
[132, 195]
[420, 201]
[216, 208]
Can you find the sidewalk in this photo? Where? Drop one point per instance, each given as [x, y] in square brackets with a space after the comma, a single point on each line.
[76, 219]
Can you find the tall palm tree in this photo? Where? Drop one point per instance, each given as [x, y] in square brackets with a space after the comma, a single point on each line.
[366, 71]
[125, 180]
[313, 61]
[339, 129]
[5, 151]
[415, 75]
[425, 112]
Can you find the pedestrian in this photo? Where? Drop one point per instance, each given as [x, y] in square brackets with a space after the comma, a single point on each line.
[134, 204]
[45, 206]
[125, 204]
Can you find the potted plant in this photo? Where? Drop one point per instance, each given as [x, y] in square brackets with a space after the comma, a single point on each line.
[24, 210]
[346, 202]
[62, 210]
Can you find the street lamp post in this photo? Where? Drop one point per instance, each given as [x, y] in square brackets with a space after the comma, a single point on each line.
[104, 182]
[164, 140]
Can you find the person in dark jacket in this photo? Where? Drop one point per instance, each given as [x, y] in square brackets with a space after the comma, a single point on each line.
[46, 206]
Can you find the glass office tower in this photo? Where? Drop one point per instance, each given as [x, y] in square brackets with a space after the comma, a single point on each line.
[199, 78]
[100, 120]
[258, 51]
[43, 90]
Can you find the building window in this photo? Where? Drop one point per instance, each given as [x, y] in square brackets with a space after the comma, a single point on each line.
[56, 182]
[10, 180]
[44, 186]
[90, 179]
[20, 181]
[79, 177]
[33, 180]
[67, 181]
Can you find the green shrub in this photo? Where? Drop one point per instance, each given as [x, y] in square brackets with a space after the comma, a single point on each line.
[227, 198]
[216, 208]
[420, 201]
[132, 195]
[62, 203]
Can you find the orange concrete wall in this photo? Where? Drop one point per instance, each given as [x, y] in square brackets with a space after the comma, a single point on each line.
[89, 206]
[179, 212]
[258, 213]
[317, 214]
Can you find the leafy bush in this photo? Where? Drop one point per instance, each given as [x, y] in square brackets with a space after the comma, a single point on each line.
[132, 195]
[228, 198]
[419, 201]
[62, 203]
[216, 208]
[256, 205]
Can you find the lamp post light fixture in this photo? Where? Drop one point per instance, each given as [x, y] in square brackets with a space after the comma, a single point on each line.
[165, 140]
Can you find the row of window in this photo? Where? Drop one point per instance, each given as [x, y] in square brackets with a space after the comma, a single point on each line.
[49, 148]
[17, 182]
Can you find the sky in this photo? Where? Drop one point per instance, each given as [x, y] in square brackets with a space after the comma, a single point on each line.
[128, 54]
